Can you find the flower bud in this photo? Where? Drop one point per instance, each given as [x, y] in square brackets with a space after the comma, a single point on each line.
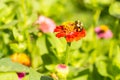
[62, 70]
[20, 75]
[54, 76]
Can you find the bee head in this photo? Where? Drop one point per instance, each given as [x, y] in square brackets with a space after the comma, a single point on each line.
[78, 25]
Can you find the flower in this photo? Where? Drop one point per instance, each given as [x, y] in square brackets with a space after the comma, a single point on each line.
[46, 24]
[62, 69]
[20, 75]
[103, 32]
[70, 31]
[21, 58]
[54, 76]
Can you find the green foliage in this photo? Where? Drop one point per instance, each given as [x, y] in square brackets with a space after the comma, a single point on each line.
[6, 65]
[8, 76]
[97, 3]
[90, 58]
[115, 9]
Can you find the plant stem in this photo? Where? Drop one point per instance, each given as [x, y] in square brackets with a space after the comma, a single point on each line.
[67, 53]
[111, 50]
[28, 41]
[96, 16]
[24, 11]
[116, 28]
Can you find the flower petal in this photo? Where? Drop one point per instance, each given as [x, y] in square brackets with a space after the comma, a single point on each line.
[70, 32]
[46, 24]
[60, 35]
[58, 29]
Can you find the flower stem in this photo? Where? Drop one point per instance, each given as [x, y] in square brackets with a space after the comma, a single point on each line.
[96, 16]
[24, 12]
[67, 53]
[116, 28]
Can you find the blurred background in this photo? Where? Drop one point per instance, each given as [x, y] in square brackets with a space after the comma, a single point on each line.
[95, 57]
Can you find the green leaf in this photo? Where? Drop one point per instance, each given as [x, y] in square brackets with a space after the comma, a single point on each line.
[26, 77]
[1, 54]
[116, 59]
[83, 77]
[78, 73]
[114, 9]
[58, 43]
[105, 2]
[113, 70]
[18, 47]
[96, 4]
[102, 66]
[41, 43]
[9, 25]
[7, 11]
[17, 35]
[7, 65]
[36, 57]
[76, 45]
[6, 38]
[50, 67]
[8, 76]
[2, 5]
[33, 75]
[45, 78]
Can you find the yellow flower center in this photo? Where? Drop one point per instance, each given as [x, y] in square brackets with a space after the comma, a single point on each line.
[104, 27]
[68, 27]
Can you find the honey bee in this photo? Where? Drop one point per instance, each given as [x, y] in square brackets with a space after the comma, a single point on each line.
[78, 25]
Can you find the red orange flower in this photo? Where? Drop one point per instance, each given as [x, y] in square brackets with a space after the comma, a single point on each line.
[70, 31]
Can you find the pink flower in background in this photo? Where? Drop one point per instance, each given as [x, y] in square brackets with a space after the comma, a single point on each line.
[46, 24]
[20, 75]
[103, 32]
[62, 69]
